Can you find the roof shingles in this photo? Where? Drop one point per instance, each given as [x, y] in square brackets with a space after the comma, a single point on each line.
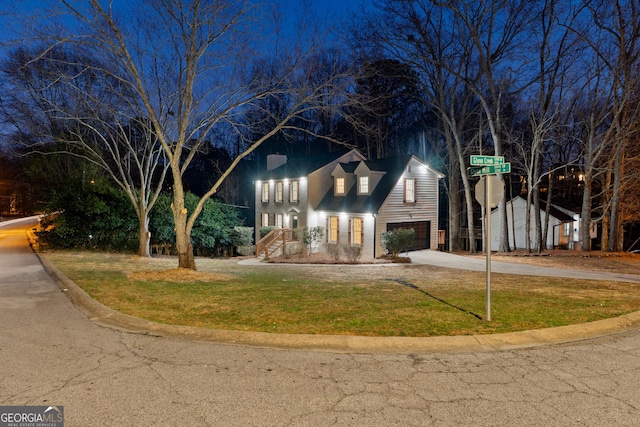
[352, 202]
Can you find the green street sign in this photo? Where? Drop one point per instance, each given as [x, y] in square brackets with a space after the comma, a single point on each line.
[486, 160]
[489, 170]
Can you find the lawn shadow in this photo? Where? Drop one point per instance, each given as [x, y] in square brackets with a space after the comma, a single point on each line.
[412, 286]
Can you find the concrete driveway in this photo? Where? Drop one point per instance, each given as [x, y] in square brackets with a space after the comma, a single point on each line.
[445, 259]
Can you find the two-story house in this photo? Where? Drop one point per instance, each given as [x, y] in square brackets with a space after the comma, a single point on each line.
[352, 198]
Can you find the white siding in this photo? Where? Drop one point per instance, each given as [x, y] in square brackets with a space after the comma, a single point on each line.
[312, 190]
[518, 230]
[285, 207]
[425, 208]
[343, 238]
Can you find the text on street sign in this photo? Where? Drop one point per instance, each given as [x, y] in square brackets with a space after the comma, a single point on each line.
[486, 160]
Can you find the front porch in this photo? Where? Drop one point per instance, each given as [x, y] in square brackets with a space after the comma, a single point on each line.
[275, 242]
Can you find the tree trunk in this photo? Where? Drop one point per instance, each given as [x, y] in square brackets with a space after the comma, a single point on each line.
[186, 258]
[471, 230]
[547, 212]
[527, 222]
[614, 226]
[468, 197]
[540, 235]
[144, 237]
[606, 211]
[513, 216]
[184, 247]
[454, 209]
[539, 243]
[585, 216]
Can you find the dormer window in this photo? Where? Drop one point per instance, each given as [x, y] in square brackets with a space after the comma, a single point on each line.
[363, 185]
[339, 185]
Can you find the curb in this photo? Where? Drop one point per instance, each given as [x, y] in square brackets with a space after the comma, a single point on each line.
[107, 317]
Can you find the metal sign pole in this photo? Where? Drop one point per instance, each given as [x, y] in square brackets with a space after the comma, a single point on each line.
[487, 221]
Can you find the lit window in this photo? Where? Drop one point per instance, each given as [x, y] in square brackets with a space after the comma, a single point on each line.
[409, 190]
[357, 231]
[339, 185]
[265, 219]
[279, 191]
[567, 228]
[279, 220]
[294, 195]
[363, 185]
[333, 229]
[265, 191]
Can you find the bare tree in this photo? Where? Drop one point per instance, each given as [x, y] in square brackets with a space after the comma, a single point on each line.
[386, 105]
[611, 30]
[493, 32]
[188, 65]
[620, 52]
[556, 48]
[435, 53]
[63, 98]
[592, 111]
[454, 44]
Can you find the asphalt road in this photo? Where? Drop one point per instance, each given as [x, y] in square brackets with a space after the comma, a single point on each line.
[51, 353]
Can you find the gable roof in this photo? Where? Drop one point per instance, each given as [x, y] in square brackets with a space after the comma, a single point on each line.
[370, 203]
[346, 167]
[302, 166]
[553, 210]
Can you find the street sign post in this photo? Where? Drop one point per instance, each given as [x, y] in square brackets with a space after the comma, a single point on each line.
[487, 240]
[488, 196]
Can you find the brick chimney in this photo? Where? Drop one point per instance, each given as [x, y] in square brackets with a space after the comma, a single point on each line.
[275, 160]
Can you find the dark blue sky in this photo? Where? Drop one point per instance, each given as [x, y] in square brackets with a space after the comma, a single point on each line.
[332, 9]
[332, 6]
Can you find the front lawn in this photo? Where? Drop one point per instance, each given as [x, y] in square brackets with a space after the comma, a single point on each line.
[370, 300]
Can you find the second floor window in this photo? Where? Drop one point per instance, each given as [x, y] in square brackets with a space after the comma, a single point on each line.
[363, 185]
[265, 191]
[294, 195]
[409, 190]
[339, 185]
[279, 191]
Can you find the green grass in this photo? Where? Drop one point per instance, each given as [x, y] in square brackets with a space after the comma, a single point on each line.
[400, 300]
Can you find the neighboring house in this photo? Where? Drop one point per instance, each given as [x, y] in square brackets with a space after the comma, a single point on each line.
[563, 230]
[353, 199]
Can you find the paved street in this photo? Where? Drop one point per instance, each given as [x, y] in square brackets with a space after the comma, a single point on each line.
[52, 354]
